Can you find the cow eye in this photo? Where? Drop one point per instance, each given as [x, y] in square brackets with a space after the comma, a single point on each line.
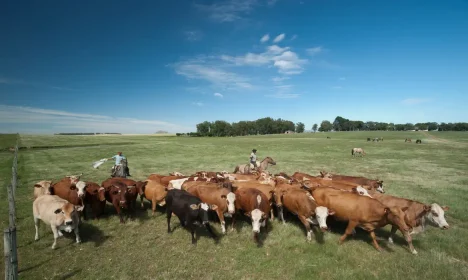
[435, 214]
[95, 191]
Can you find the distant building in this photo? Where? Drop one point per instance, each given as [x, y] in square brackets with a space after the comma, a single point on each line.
[289, 132]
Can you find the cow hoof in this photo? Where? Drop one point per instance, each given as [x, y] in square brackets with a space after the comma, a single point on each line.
[414, 252]
[390, 241]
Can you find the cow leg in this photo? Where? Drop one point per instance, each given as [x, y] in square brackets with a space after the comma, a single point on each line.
[36, 225]
[141, 202]
[77, 234]
[55, 231]
[280, 213]
[192, 231]
[233, 221]
[374, 241]
[168, 216]
[119, 212]
[307, 226]
[208, 227]
[221, 220]
[410, 242]
[153, 206]
[272, 216]
[392, 233]
[348, 231]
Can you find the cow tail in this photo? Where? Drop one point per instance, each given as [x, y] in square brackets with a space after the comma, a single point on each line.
[352, 151]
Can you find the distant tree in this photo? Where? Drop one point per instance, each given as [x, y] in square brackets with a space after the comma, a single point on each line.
[325, 126]
[203, 129]
[432, 126]
[300, 127]
[314, 127]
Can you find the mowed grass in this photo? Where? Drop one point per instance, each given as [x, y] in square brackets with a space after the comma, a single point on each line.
[435, 171]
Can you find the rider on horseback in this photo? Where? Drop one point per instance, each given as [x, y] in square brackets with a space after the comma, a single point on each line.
[118, 158]
[253, 158]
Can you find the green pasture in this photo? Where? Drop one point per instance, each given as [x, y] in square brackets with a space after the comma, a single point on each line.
[434, 171]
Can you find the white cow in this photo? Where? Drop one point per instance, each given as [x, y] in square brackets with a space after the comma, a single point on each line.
[58, 213]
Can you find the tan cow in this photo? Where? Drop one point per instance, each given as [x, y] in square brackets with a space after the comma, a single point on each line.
[41, 188]
[155, 192]
[58, 213]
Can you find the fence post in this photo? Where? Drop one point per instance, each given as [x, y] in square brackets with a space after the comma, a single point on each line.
[10, 253]
[13, 182]
[11, 207]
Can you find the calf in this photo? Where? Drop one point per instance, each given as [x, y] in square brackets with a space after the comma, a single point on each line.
[95, 197]
[122, 197]
[58, 213]
[418, 215]
[302, 204]
[372, 184]
[362, 211]
[222, 200]
[255, 205]
[190, 210]
[41, 188]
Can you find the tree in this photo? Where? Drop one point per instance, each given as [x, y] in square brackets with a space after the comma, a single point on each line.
[325, 126]
[300, 127]
[314, 127]
[203, 128]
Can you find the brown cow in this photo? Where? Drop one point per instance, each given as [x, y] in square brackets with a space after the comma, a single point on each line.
[121, 196]
[372, 184]
[221, 200]
[73, 192]
[302, 204]
[95, 197]
[266, 189]
[41, 188]
[255, 205]
[155, 192]
[418, 215]
[155, 177]
[361, 211]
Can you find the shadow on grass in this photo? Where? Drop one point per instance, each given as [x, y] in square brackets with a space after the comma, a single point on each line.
[69, 274]
[33, 267]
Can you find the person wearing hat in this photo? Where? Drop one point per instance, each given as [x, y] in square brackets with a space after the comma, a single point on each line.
[118, 158]
[253, 158]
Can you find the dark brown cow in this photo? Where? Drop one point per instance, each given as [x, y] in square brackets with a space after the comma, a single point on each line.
[129, 182]
[95, 197]
[372, 184]
[418, 215]
[365, 212]
[255, 205]
[301, 203]
[266, 189]
[122, 197]
[221, 200]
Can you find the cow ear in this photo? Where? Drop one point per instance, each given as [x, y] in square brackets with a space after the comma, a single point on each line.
[248, 214]
[194, 206]
[58, 211]
[272, 191]
[223, 196]
[37, 186]
[214, 207]
[369, 187]
[264, 215]
[427, 208]
[331, 212]
[445, 208]
[354, 189]
[404, 209]
[79, 208]
[387, 210]
[72, 187]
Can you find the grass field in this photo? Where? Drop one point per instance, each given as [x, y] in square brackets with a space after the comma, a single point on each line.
[435, 171]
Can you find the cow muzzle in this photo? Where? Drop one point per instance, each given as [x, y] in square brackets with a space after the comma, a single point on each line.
[323, 229]
[445, 227]
[68, 223]
[122, 202]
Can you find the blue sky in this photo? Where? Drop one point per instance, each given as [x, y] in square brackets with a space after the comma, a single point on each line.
[142, 66]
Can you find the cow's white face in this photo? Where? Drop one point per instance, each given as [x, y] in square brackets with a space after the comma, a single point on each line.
[362, 191]
[230, 200]
[257, 217]
[80, 187]
[321, 214]
[437, 216]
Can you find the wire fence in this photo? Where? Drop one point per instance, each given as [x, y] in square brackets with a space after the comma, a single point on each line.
[9, 234]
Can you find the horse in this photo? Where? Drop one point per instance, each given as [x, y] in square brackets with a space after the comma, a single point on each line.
[263, 165]
[354, 151]
[120, 170]
[418, 141]
[407, 140]
[376, 139]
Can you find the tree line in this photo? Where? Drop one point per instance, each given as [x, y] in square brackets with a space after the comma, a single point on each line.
[271, 126]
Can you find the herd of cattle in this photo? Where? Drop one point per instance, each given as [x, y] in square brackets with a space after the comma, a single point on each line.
[360, 201]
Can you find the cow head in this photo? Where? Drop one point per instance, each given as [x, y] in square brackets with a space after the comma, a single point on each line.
[74, 178]
[202, 209]
[67, 211]
[118, 192]
[80, 187]
[378, 185]
[397, 217]
[44, 185]
[258, 218]
[321, 214]
[230, 201]
[361, 191]
[436, 216]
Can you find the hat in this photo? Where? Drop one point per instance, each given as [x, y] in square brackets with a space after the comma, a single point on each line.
[254, 150]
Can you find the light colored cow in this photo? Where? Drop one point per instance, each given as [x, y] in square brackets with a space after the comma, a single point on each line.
[59, 214]
[41, 188]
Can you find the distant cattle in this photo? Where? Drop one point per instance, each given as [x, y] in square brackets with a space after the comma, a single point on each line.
[418, 141]
[41, 188]
[368, 139]
[359, 151]
[190, 210]
[59, 214]
[407, 140]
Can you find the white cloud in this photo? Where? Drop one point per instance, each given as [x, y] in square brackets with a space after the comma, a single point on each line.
[289, 63]
[202, 69]
[199, 104]
[193, 35]
[37, 120]
[217, 94]
[279, 79]
[228, 11]
[279, 38]
[314, 51]
[265, 38]
[415, 101]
